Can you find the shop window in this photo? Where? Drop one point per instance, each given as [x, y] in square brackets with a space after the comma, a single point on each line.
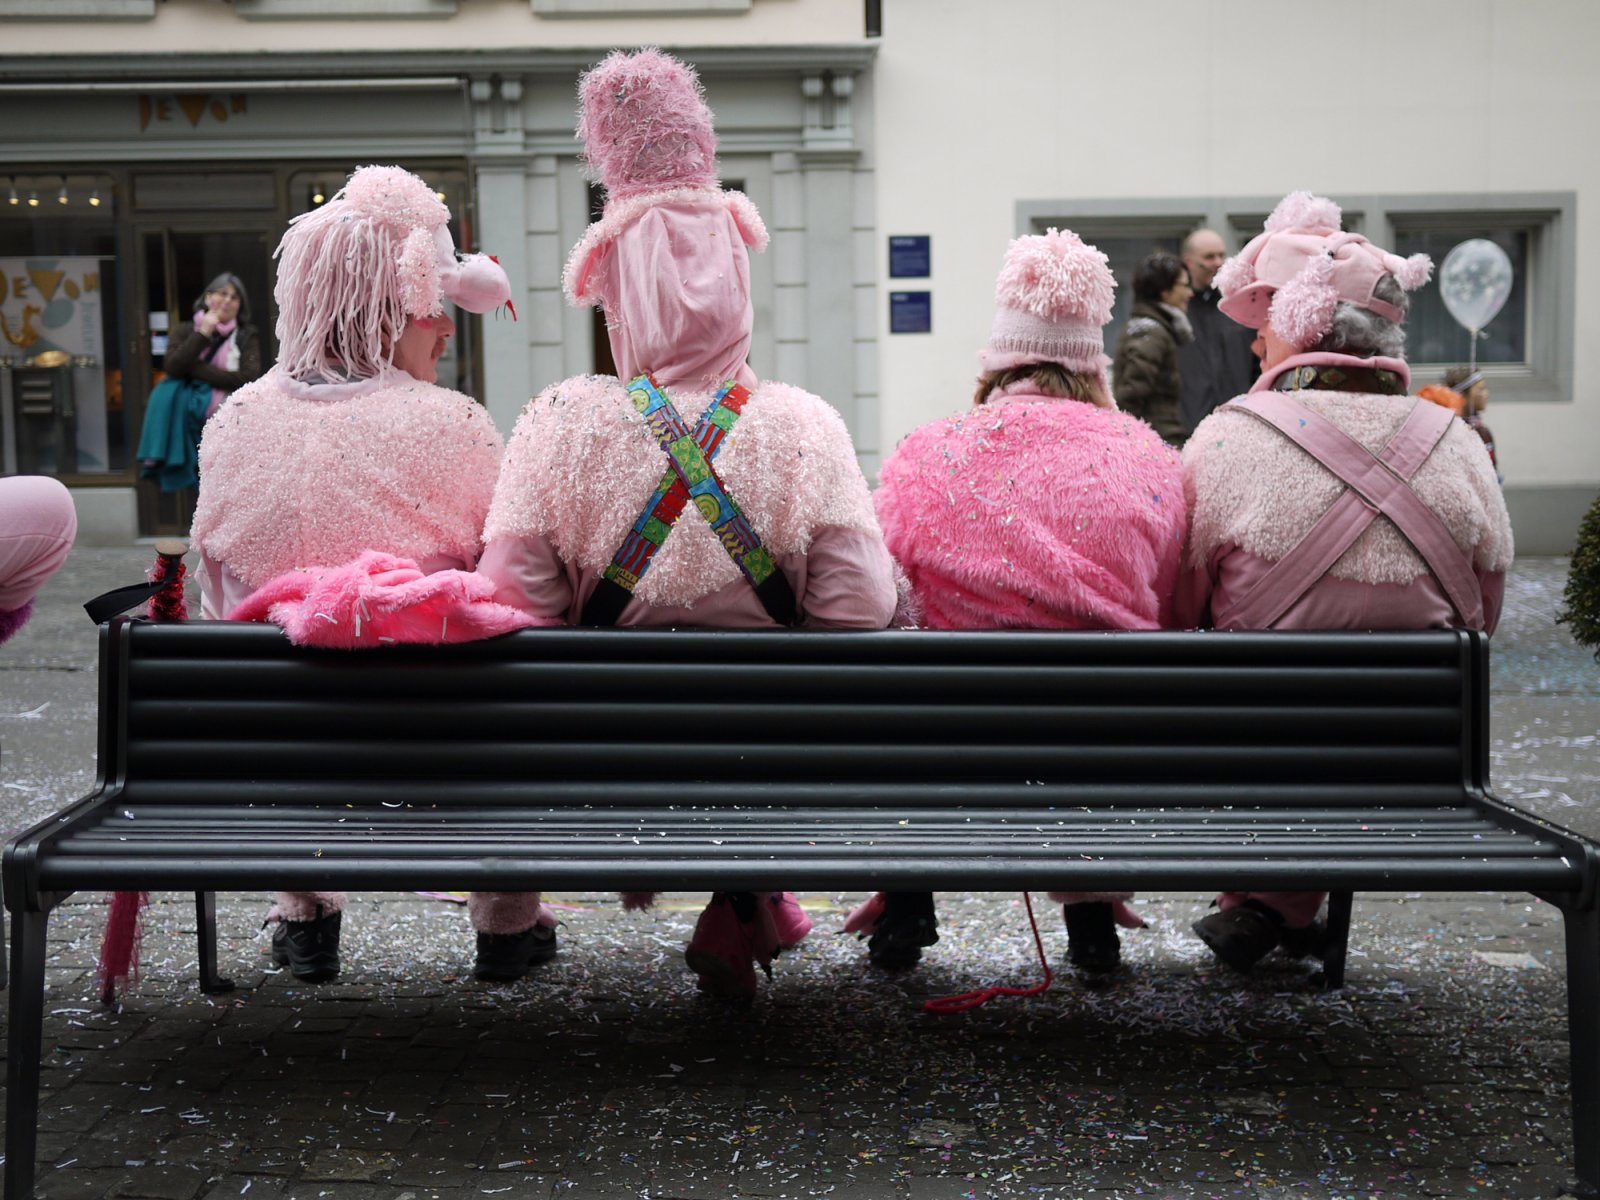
[299, 10]
[77, 10]
[62, 404]
[638, 8]
[1529, 347]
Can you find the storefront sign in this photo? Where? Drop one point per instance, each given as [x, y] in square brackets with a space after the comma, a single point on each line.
[190, 106]
[51, 319]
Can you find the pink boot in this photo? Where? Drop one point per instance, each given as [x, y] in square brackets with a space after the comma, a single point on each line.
[788, 918]
[734, 933]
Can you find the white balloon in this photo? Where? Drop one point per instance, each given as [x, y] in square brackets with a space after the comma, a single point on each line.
[1474, 282]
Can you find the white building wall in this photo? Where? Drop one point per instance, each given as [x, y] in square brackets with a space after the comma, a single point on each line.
[210, 26]
[1079, 102]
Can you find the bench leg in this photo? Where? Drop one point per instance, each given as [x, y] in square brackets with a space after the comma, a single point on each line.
[1338, 944]
[205, 921]
[1583, 1033]
[24, 1045]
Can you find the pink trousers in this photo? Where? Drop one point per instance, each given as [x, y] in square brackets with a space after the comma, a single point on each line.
[37, 525]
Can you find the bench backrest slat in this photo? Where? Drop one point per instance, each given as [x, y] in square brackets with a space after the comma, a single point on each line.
[550, 716]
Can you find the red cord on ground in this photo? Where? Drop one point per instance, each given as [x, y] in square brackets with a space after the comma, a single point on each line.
[971, 1000]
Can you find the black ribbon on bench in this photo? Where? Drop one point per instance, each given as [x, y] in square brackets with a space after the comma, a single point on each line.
[168, 578]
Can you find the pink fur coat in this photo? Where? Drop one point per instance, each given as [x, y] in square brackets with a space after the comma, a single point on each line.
[1033, 512]
[582, 465]
[1254, 495]
[294, 475]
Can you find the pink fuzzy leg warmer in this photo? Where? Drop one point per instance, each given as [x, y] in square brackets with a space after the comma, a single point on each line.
[507, 912]
[302, 906]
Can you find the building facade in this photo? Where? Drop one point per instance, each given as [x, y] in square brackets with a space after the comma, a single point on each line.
[893, 148]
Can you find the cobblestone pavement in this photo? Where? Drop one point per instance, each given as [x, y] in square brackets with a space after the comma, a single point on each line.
[1440, 1071]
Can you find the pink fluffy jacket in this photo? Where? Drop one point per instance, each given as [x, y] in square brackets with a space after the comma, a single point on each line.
[293, 475]
[1032, 512]
[1253, 495]
[582, 465]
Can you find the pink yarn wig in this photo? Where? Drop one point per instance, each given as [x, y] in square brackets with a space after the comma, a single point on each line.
[351, 273]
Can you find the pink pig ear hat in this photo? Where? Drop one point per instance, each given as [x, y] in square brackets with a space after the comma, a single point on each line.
[1052, 302]
[353, 272]
[668, 261]
[1295, 273]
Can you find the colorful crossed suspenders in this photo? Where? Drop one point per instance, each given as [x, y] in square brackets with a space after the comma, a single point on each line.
[689, 477]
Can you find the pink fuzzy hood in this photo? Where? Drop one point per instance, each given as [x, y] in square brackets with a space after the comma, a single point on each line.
[669, 259]
[1034, 512]
[1251, 488]
[377, 600]
[289, 481]
[582, 465]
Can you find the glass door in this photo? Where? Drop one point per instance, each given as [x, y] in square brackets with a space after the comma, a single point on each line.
[176, 263]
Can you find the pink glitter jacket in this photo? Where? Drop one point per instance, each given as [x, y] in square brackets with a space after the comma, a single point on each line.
[581, 466]
[1037, 513]
[1253, 495]
[295, 475]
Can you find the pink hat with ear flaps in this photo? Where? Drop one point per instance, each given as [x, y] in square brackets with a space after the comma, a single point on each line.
[647, 134]
[1295, 273]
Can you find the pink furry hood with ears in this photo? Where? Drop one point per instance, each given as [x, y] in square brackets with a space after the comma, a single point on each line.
[1296, 271]
[378, 600]
[1036, 513]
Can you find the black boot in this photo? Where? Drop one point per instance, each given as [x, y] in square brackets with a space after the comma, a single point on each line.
[907, 925]
[1243, 935]
[1310, 941]
[504, 957]
[310, 949]
[1092, 941]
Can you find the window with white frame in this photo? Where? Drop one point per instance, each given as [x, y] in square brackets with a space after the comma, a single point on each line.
[1528, 349]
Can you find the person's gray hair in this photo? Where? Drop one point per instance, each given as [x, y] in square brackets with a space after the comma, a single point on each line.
[1363, 333]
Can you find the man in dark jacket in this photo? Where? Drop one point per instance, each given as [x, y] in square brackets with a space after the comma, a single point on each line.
[1218, 364]
[1144, 372]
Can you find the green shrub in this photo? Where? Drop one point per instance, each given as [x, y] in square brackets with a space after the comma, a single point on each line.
[1582, 611]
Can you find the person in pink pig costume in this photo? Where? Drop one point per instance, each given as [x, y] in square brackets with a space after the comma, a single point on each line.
[765, 521]
[1327, 497]
[37, 526]
[347, 458]
[1042, 507]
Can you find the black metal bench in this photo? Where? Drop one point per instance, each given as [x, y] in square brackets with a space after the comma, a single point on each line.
[229, 760]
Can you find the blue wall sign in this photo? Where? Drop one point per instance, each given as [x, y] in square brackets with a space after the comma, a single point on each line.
[910, 256]
[910, 312]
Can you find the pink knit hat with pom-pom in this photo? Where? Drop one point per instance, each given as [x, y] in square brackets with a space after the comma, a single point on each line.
[648, 137]
[352, 272]
[1052, 300]
[1295, 273]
